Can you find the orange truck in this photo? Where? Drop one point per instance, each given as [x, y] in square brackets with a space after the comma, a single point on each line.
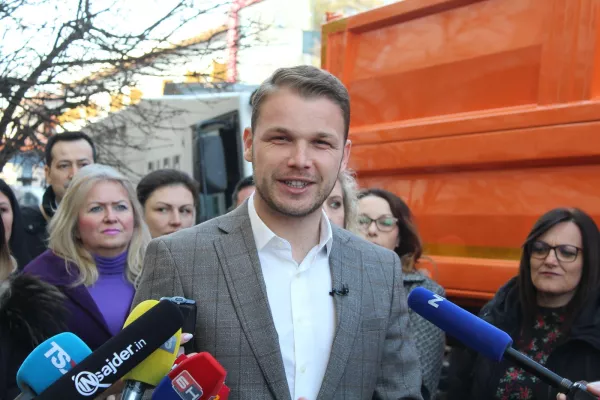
[481, 114]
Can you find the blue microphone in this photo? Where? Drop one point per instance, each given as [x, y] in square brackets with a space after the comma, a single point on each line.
[51, 360]
[485, 338]
[472, 331]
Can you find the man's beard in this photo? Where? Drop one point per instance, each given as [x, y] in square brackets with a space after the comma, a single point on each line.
[287, 209]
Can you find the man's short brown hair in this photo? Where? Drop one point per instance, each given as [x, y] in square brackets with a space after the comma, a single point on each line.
[307, 81]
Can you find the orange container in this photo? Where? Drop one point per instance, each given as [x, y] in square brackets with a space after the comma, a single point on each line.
[481, 114]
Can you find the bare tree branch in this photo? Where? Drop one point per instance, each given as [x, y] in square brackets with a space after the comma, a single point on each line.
[62, 66]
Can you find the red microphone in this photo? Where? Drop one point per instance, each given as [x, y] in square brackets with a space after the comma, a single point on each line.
[223, 393]
[198, 377]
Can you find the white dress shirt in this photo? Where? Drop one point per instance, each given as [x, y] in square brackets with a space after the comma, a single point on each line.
[302, 309]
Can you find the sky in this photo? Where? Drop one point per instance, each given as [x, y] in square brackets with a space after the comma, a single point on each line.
[42, 17]
[122, 16]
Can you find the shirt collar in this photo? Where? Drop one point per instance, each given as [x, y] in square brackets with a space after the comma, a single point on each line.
[263, 235]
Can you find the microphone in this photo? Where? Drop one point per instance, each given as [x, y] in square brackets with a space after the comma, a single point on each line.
[340, 292]
[31, 311]
[111, 361]
[49, 361]
[26, 395]
[198, 377]
[149, 372]
[484, 338]
[223, 393]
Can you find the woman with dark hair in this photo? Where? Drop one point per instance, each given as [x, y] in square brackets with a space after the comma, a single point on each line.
[13, 223]
[551, 310]
[385, 219]
[170, 199]
[7, 262]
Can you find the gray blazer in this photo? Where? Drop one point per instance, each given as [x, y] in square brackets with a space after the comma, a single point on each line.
[430, 340]
[216, 264]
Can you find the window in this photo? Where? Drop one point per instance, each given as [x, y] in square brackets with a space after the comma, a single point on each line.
[166, 162]
[150, 166]
[176, 162]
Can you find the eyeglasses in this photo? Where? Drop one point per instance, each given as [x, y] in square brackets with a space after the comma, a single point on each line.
[385, 223]
[563, 252]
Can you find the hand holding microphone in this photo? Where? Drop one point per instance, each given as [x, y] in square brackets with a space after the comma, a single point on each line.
[185, 337]
[486, 339]
[151, 370]
[593, 387]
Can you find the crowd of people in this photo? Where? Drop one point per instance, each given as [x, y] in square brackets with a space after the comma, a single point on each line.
[300, 226]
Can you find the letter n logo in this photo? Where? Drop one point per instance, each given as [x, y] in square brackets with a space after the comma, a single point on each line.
[436, 299]
[186, 387]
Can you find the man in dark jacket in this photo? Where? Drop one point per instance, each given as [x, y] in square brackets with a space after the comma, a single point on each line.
[65, 154]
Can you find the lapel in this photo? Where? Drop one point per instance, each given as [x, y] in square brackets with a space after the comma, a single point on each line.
[52, 269]
[82, 298]
[345, 263]
[239, 261]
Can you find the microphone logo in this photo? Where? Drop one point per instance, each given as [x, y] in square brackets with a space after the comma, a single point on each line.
[59, 358]
[170, 345]
[436, 299]
[186, 386]
[87, 383]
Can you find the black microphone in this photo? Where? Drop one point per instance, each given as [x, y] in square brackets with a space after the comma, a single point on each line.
[119, 355]
[340, 292]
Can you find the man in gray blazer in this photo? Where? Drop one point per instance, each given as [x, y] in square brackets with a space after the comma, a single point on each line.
[292, 306]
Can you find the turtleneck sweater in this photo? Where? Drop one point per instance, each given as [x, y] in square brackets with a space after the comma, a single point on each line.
[112, 292]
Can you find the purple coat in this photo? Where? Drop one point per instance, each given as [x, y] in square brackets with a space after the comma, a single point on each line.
[85, 319]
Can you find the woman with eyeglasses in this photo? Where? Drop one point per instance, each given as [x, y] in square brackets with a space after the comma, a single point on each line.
[551, 310]
[385, 219]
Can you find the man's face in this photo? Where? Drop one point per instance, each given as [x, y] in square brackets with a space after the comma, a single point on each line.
[297, 150]
[68, 157]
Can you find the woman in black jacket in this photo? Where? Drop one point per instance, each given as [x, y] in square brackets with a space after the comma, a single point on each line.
[551, 310]
[31, 311]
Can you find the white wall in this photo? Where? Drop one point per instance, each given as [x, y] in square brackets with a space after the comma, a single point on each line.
[174, 135]
[278, 46]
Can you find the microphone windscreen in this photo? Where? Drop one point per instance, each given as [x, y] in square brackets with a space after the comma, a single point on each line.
[208, 373]
[199, 376]
[158, 364]
[165, 391]
[223, 393]
[120, 354]
[471, 330]
[50, 360]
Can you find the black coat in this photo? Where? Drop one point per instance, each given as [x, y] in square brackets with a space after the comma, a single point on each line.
[35, 222]
[474, 377]
[31, 311]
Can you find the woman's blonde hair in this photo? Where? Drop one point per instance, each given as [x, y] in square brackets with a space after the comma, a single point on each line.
[350, 198]
[63, 227]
